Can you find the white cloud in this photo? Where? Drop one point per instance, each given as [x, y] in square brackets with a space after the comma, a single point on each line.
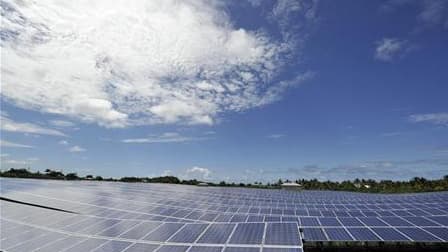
[9, 125]
[63, 142]
[275, 136]
[168, 137]
[120, 63]
[198, 173]
[434, 13]
[434, 118]
[430, 13]
[61, 123]
[76, 148]
[389, 49]
[4, 143]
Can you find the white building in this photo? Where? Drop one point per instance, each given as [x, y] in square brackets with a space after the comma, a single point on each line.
[291, 186]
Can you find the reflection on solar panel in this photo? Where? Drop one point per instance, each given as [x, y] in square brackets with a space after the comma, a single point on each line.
[155, 217]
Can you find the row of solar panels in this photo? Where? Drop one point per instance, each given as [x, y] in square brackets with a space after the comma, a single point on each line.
[45, 241]
[239, 196]
[213, 215]
[434, 234]
[19, 236]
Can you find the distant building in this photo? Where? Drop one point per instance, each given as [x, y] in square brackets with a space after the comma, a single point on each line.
[202, 184]
[291, 186]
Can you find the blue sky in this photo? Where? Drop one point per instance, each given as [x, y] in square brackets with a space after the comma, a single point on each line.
[241, 91]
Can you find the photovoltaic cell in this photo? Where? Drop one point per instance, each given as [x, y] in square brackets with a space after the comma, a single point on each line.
[363, 234]
[189, 233]
[421, 221]
[163, 232]
[350, 222]
[389, 234]
[338, 234]
[241, 249]
[372, 221]
[282, 234]
[418, 234]
[172, 248]
[141, 247]
[440, 232]
[329, 221]
[313, 234]
[205, 249]
[265, 249]
[217, 233]
[113, 246]
[140, 230]
[248, 233]
[396, 221]
[309, 222]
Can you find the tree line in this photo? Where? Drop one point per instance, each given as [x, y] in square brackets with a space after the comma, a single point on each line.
[417, 184]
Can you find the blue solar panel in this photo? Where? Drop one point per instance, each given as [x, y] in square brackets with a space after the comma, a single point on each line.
[172, 248]
[338, 234]
[421, 221]
[418, 234]
[163, 232]
[282, 249]
[309, 222]
[396, 221]
[87, 245]
[248, 233]
[140, 230]
[389, 234]
[350, 222]
[142, 247]
[443, 220]
[363, 234]
[241, 249]
[217, 233]
[205, 249]
[313, 234]
[118, 228]
[189, 233]
[440, 232]
[282, 234]
[113, 246]
[372, 221]
[329, 221]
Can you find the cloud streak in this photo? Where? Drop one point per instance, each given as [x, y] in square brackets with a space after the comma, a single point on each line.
[21, 127]
[167, 137]
[4, 143]
[433, 118]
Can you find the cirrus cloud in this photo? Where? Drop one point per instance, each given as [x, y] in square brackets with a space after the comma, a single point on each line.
[118, 64]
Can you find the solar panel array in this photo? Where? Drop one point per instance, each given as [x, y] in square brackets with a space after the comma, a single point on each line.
[112, 216]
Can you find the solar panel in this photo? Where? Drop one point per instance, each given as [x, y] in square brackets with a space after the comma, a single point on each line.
[314, 234]
[163, 232]
[248, 233]
[189, 233]
[418, 234]
[141, 247]
[124, 217]
[217, 233]
[439, 232]
[389, 234]
[363, 234]
[338, 234]
[282, 234]
[139, 231]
